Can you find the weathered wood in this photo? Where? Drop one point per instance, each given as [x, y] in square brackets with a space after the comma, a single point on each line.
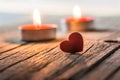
[8, 48]
[116, 75]
[45, 60]
[76, 68]
[37, 61]
[23, 54]
[96, 35]
[73, 64]
[14, 51]
[9, 41]
[24, 59]
[105, 69]
[46, 56]
[113, 36]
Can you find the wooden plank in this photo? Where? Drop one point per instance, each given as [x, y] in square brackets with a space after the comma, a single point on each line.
[9, 47]
[9, 41]
[29, 65]
[105, 69]
[116, 76]
[15, 51]
[24, 59]
[112, 36]
[2, 44]
[39, 59]
[38, 53]
[4, 63]
[90, 62]
[42, 58]
[96, 35]
[65, 67]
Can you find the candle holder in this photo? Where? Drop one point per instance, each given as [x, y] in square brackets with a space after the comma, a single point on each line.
[42, 34]
[79, 25]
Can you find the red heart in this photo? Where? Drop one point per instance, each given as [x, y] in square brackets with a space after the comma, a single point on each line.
[74, 44]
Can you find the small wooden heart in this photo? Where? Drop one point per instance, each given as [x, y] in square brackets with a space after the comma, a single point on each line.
[74, 44]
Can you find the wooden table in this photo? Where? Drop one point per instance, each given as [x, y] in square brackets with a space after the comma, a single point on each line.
[45, 61]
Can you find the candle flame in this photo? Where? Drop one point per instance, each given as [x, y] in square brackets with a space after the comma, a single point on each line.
[36, 18]
[76, 12]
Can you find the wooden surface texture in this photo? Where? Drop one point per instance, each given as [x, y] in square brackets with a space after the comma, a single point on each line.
[99, 60]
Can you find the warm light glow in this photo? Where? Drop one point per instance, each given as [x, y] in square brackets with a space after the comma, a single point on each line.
[36, 18]
[76, 12]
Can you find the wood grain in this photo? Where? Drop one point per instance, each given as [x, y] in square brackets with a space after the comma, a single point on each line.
[82, 64]
[45, 61]
[105, 69]
[46, 56]
[116, 75]
[24, 58]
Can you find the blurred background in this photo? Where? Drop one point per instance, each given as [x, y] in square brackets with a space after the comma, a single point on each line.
[17, 12]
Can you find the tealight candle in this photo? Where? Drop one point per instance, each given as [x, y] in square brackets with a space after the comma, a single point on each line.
[78, 22]
[37, 31]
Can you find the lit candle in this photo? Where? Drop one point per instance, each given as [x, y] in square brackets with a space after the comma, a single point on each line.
[37, 31]
[79, 22]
